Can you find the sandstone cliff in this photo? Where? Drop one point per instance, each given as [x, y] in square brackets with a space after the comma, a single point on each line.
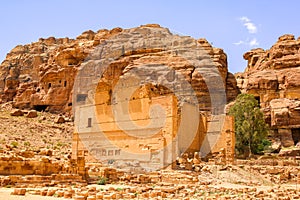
[41, 75]
[272, 76]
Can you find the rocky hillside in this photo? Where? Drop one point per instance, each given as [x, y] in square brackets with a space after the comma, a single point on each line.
[41, 75]
[34, 133]
[272, 76]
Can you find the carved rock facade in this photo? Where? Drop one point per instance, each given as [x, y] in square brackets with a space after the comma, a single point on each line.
[272, 76]
[42, 75]
[127, 75]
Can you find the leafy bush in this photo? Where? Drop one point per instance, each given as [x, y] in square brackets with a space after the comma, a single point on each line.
[26, 143]
[110, 162]
[14, 144]
[250, 127]
[102, 180]
[264, 145]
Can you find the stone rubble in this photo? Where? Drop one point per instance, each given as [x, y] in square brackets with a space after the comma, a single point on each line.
[173, 184]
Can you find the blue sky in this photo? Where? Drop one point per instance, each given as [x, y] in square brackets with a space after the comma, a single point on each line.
[236, 26]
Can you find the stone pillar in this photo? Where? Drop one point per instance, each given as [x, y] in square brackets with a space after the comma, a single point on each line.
[75, 141]
[286, 137]
[81, 167]
[230, 140]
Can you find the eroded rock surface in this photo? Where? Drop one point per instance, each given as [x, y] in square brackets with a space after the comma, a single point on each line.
[272, 76]
[41, 75]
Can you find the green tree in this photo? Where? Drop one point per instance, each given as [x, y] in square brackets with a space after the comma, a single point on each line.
[250, 127]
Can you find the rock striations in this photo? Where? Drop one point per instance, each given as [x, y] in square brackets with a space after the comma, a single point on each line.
[41, 75]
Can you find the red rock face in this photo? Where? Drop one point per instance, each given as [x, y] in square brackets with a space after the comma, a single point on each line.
[41, 75]
[272, 76]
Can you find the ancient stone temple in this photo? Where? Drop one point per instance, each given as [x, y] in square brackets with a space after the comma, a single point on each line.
[144, 97]
[272, 77]
[144, 92]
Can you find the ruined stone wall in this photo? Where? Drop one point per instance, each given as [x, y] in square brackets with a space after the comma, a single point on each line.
[226, 140]
[16, 165]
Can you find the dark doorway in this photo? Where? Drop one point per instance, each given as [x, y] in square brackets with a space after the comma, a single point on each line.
[258, 100]
[40, 107]
[89, 122]
[296, 135]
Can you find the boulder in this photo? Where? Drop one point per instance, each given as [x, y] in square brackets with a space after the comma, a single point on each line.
[46, 152]
[26, 154]
[286, 137]
[59, 119]
[290, 152]
[16, 112]
[276, 146]
[32, 114]
[19, 191]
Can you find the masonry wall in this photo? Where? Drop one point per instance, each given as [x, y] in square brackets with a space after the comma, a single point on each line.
[148, 140]
[153, 151]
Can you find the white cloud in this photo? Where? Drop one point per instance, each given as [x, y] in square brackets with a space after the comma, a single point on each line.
[253, 42]
[252, 29]
[239, 43]
[244, 19]
[250, 26]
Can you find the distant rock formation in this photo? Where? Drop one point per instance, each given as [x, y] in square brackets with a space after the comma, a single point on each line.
[41, 75]
[272, 76]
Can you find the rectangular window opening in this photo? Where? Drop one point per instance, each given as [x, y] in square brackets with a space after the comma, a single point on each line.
[117, 152]
[258, 100]
[89, 122]
[110, 152]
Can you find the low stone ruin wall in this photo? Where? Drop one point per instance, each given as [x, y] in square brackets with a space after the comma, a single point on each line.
[26, 167]
[35, 180]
